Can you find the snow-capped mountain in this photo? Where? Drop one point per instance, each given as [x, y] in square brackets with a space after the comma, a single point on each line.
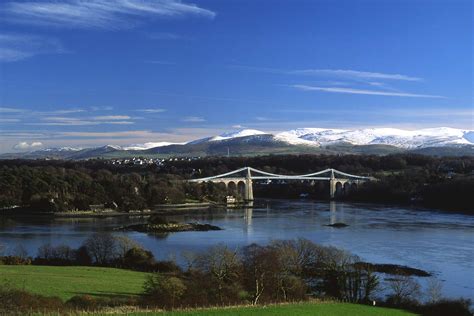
[432, 137]
[433, 141]
[229, 135]
[150, 145]
[61, 149]
[406, 139]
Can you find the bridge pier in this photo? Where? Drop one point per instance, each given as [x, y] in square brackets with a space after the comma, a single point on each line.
[248, 187]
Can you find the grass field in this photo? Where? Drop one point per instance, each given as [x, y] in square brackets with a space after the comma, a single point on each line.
[298, 309]
[66, 282]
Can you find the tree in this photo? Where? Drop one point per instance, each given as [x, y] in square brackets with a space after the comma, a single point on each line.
[403, 289]
[164, 290]
[223, 267]
[434, 290]
[102, 248]
[124, 244]
[138, 259]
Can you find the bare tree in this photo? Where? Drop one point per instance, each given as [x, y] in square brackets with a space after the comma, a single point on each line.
[102, 247]
[124, 244]
[19, 251]
[222, 264]
[404, 288]
[434, 290]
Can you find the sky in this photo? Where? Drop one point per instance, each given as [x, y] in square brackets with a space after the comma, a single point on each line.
[89, 73]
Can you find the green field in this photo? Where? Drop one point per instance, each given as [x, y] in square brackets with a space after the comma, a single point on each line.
[298, 309]
[66, 282]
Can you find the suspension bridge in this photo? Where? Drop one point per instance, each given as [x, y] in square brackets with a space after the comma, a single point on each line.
[241, 180]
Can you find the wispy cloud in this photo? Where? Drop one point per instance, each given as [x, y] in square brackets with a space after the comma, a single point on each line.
[15, 47]
[193, 119]
[26, 145]
[341, 73]
[74, 121]
[105, 14]
[347, 73]
[156, 110]
[111, 117]
[364, 92]
[10, 110]
[9, 120]
[101, 108]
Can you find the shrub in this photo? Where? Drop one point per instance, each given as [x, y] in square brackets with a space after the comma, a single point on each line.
[163, 290]
[458, 307]
[18, 302]
[14, 260]
[139, 259]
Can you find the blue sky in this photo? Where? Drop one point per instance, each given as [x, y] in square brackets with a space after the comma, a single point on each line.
[86, 73]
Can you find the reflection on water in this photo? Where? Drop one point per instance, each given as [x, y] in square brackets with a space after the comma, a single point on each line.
[441, 243]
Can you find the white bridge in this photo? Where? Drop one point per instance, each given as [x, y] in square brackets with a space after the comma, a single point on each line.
[241, 180]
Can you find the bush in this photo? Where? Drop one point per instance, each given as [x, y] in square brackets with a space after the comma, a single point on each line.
[84, 302]
[14, 260]
[18, 302]
[139, 259]
[458, 307]
[163, 290]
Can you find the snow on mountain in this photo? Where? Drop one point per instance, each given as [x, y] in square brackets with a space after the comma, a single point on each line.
[432, 137]
[236, 134]
[111, 147]
[406, 139]
[61, 149]
[150, 145]
[228, 135]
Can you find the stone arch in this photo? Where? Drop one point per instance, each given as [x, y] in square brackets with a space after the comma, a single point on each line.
[241, 188]
[232, 188]
[339, 188]
[347, 188]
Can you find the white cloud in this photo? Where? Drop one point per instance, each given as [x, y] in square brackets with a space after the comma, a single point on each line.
[26, 145]
[193, 119]
[343, 73]
[10, 110]
[152, 110]
[105, 14]
[15, 47]
[111, 117]
[364, 92]
[355, 74]
[101, 108]
[73, 121]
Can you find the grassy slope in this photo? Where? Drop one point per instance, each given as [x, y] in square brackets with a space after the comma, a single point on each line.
[66, 282]
[301, 309]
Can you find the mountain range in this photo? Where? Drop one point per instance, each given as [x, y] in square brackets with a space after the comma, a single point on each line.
[432, 141]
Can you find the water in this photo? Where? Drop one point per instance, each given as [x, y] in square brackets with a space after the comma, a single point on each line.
[441, 243]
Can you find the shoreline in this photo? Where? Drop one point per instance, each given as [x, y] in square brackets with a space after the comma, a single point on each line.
[184, 208]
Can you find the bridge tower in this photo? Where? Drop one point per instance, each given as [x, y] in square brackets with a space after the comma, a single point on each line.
[332, 185]
[248, 196]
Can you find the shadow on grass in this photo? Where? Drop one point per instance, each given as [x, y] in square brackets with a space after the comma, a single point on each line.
[108, 294]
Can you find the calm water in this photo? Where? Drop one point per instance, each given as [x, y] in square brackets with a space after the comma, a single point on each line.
[438, 242]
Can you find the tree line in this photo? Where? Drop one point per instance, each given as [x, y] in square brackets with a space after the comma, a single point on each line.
[440, 182]
[281, 271]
